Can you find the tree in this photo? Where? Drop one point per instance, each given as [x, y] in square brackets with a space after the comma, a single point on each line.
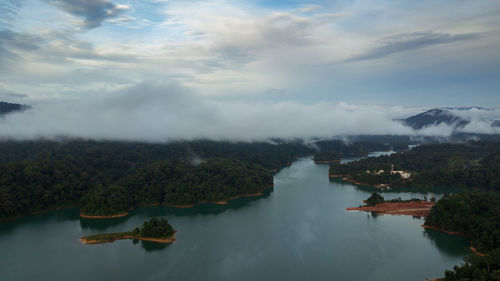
[375, 199]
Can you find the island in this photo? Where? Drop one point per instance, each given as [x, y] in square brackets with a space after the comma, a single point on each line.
[154, 230]
[378, 205]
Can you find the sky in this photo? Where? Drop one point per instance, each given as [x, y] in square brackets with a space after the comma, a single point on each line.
[124, 68]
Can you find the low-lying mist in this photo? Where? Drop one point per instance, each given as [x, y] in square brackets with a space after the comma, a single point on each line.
[165, 112]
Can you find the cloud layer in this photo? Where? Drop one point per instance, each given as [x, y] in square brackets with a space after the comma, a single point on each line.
[381, 52]
[164, 112]
[94, 12]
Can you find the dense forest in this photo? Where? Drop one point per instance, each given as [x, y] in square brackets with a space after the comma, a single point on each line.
[474, 164]
[111, 177]
[176, 183]
[476, 215]
[376, 198]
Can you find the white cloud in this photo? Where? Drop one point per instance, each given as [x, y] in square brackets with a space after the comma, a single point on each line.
[162, 112]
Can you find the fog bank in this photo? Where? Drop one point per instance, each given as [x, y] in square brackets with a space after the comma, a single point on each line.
[164, 112]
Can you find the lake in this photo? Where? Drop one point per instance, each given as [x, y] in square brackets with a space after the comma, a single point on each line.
[299, 230]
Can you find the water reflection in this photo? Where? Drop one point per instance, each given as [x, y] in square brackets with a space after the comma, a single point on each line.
[451, 245]
[62, 215]
[162, 211]
[151, 246]
[102, 224]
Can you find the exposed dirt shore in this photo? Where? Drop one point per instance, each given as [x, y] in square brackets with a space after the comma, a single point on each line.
[104, 217]
[89, 241]
[444, 230]
[420, 209]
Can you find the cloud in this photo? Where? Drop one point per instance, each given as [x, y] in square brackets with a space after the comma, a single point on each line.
[11, 43]
[480, 119]
[8, 11]
[7, 95]
[163, 112]
[94, 12]
[239, 49]
[309, 8]
[410, 41]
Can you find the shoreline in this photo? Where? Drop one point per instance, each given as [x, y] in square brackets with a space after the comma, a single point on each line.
[359, 183]
[471, 248]
[416, 209]
[81, 215]
[220, 202]
[85, 240]
[347, 179]
[226, 201]
[36, 213]
[104, 217]
[326, 161]
[475, 251]
[444, 230]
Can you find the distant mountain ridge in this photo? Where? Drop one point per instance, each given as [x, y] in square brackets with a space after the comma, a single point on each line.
[436, 117]
[7, 107]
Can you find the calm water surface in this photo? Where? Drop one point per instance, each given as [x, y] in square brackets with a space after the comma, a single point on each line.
[300, 230]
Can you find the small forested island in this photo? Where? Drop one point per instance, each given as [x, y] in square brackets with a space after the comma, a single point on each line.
[477, 216]
[413, 207]
[469, 165]
[154, 230]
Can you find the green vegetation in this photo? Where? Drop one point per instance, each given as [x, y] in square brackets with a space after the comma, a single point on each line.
[154, 228]
[475, 164]
[374, 199]
[476, 215]
[477, 268]
[329, 156]
[178, 183]
[108, 178]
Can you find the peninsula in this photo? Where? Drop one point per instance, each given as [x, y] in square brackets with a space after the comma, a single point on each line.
[154, 230]
[378, 205]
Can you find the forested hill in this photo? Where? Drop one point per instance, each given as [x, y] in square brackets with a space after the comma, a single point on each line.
[476, 215]
[434, 117]
[6, 107]
[474, 164]
[105, 178]
[174, 183]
